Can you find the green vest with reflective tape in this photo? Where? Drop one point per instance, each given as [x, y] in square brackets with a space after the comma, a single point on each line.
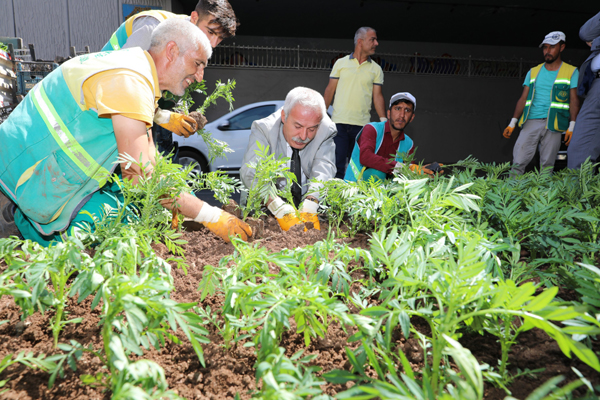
[55, 153]
[355, 168]
[558, 113]
[120, 36]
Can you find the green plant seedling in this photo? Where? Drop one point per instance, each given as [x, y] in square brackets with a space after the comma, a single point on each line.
[269, 172]
[216, 148]
[27, 359]
[223, 185]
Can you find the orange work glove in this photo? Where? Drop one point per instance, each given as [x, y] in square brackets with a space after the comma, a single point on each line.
[569, 133]
[417, 169]
[424, 170]
[284, 213]
[182, 125]
[510, 128]
[222, 223]
[308, 213]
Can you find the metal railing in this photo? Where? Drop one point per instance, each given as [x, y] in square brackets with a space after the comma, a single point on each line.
[317, 59]
[22, 54]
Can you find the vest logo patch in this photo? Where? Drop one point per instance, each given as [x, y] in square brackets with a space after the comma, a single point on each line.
[562, 96]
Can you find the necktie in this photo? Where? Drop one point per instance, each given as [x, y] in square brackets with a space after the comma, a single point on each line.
[296, 169]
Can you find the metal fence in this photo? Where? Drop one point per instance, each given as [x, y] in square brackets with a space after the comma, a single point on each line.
[316, 59]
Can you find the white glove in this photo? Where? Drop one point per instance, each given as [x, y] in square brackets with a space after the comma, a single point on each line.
[284, 213]
[222, 223]
[208, 214]
[279, 208]
[309, 206]
[513, 122]
[161, 116]
[398, 167]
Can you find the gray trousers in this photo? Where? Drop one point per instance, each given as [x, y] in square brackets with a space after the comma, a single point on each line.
[534, 132]
[586, 136]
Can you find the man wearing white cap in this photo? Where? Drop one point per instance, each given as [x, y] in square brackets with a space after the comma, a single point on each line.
[586, 137]
[380, 146]
[547, 107]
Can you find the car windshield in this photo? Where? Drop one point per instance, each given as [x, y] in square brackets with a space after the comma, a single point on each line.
[244, 119]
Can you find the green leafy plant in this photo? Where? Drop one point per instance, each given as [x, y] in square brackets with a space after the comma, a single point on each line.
[184, 103]
[269, 171]
[28, 360]
[40, 280]
[388, 384]
[141, 206]
[222, 184]
[216, 148]
[450, 287]
[288, 378]
[65, 262]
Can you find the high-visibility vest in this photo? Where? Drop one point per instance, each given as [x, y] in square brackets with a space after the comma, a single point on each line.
[120, 36]
[558, 113]
[55, 152]
[355, 168]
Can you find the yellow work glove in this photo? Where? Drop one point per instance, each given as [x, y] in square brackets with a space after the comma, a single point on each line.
[222, 223]
[179, 124]
[510, 128]
[569, 133]
[284, 213]
[308, 213]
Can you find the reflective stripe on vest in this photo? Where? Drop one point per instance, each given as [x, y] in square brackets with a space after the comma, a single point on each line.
[562, 106]
[126, 28]
[65, 139]
[114, 42]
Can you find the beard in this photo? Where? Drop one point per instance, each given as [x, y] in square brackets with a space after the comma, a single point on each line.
[549, 59]
[179, 89]
[398, 128]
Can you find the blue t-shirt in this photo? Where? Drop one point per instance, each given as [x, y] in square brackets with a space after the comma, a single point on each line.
[543, 91]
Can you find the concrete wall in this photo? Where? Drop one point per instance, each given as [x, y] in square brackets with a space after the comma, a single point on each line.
[53, 26]
[456, 116]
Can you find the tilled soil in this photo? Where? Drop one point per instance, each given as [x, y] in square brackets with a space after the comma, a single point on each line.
[230, 370]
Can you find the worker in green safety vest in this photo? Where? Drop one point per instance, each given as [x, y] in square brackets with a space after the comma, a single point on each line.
[215, 18]
[548, 107]
[63, 140]
[381, 146]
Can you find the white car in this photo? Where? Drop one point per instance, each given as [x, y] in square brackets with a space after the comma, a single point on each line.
[233, 129]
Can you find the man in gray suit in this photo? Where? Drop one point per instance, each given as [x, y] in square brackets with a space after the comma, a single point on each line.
[586, 136]
[303, 131]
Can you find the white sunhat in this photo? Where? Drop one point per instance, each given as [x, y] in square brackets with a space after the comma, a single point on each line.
[403, 96]
[553, 38]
